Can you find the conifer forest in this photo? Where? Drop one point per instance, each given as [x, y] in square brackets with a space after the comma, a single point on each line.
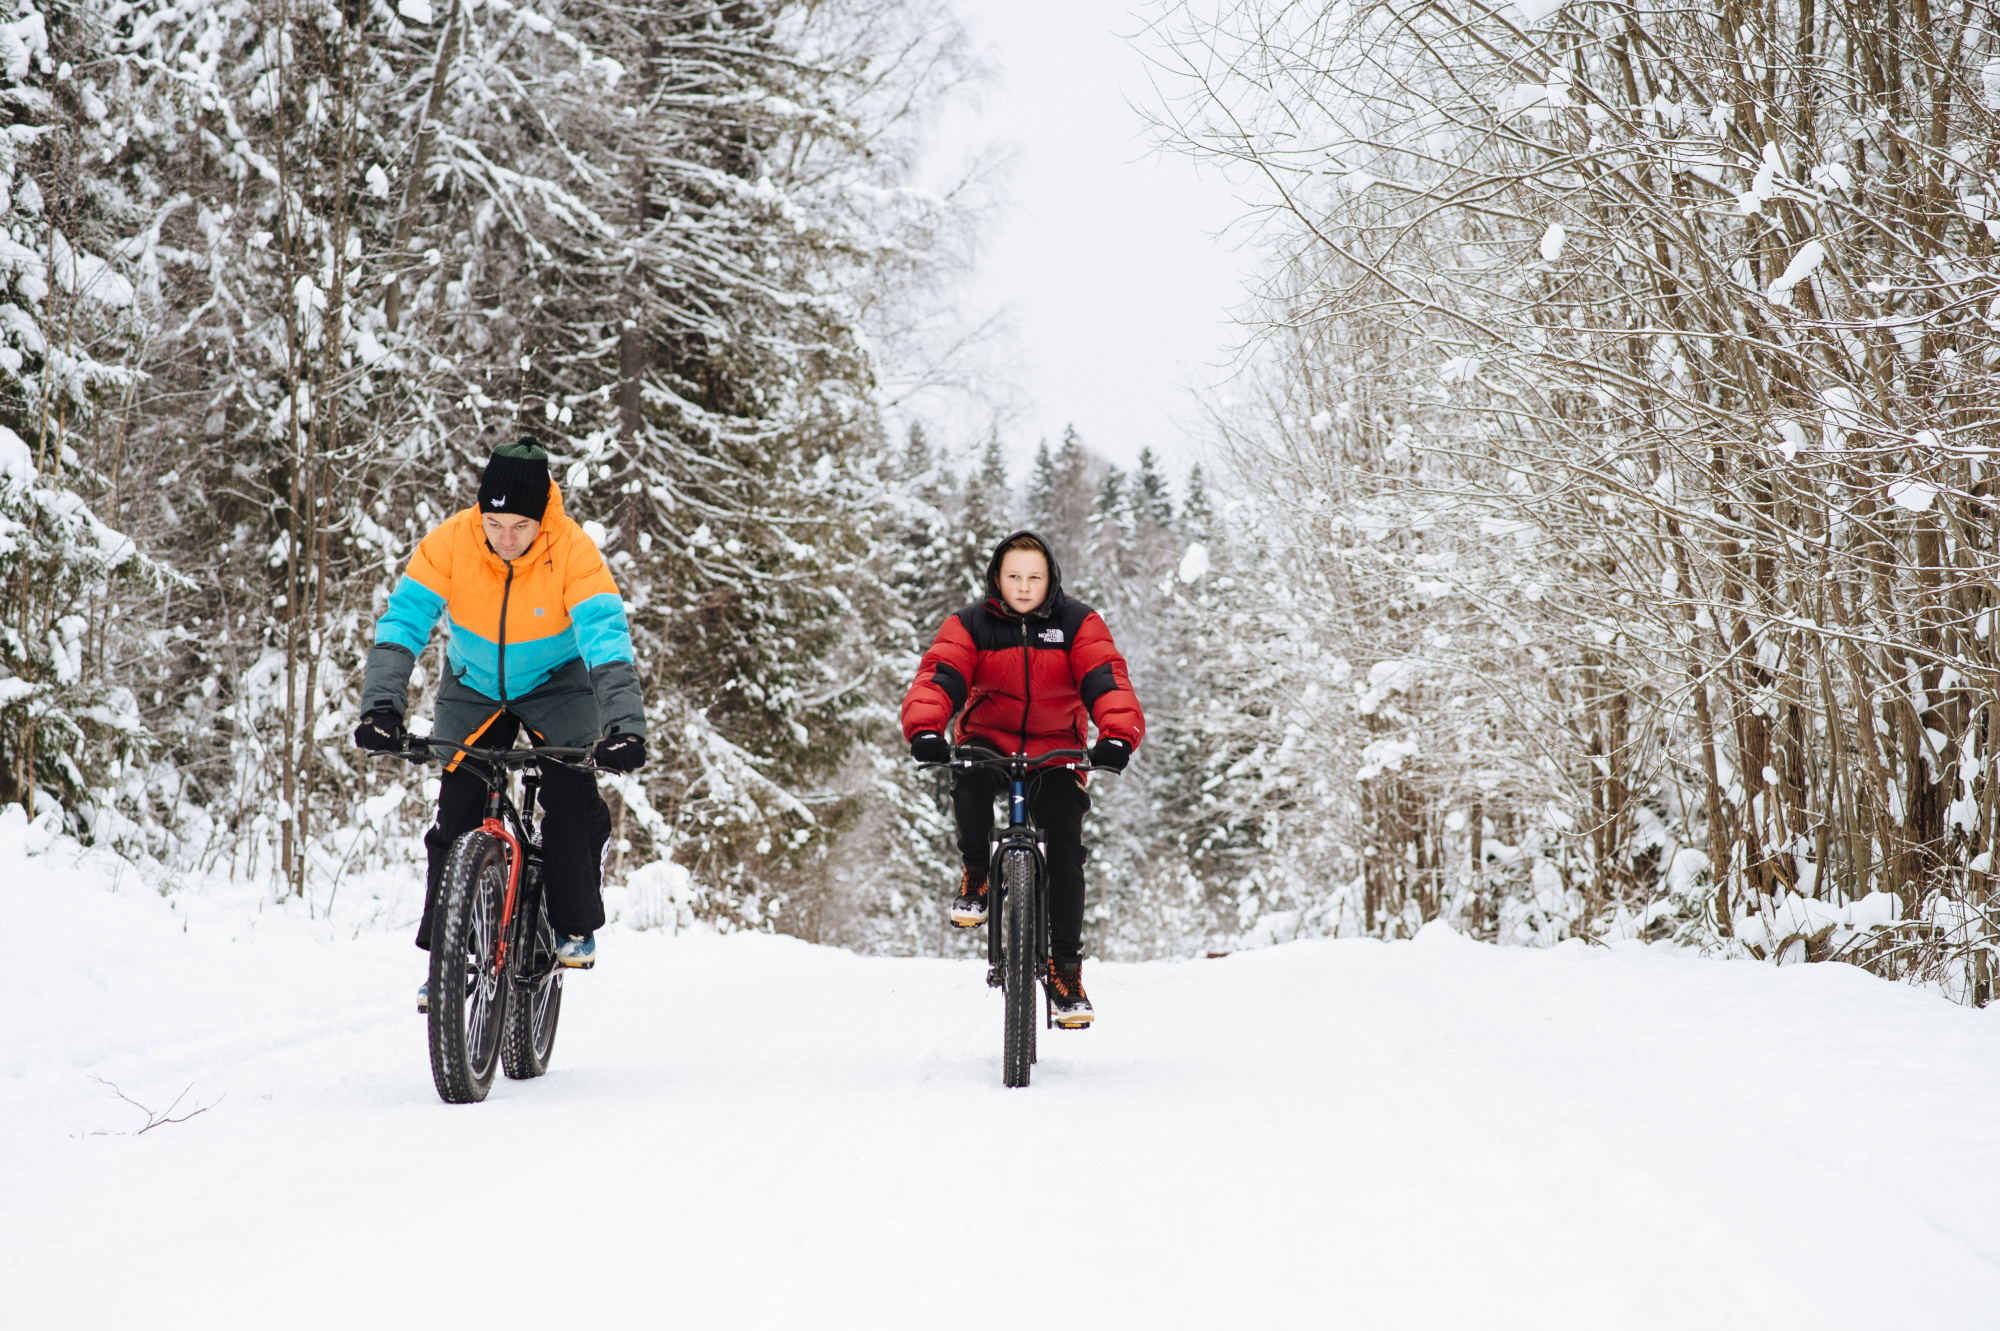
[1596, 536]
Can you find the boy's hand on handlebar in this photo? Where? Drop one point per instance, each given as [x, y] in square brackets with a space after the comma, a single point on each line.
[381, 731]
[622, 752]
[1111, 753]
[930, 747]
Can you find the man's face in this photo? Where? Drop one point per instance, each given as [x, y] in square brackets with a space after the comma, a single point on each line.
[1024, 579]
[509, 535]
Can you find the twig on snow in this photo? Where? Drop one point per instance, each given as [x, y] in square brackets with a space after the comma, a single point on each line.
[154, 1118]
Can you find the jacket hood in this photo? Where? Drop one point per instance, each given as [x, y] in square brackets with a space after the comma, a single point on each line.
[998, 603]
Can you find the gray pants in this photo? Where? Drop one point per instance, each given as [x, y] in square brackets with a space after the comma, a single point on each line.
[562, 712]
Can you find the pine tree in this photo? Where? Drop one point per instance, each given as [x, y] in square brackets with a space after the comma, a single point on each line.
[363, 247]
[1101, 561]
[985, 515]
[70, 725]
[1153, 503]
[1071, 496]
[1039, 503]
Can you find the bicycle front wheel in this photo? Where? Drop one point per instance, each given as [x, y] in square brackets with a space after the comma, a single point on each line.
[531, 1017]
[468, 992]
[1017, 879]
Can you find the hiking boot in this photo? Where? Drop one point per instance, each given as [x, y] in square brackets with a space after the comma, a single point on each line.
[1067, 1002]
[968, 908]
[577, 951]
[424, 996]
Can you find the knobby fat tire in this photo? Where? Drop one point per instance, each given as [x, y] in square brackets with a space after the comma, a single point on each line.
[474, 893]
[532, 1015]
[1018, 880]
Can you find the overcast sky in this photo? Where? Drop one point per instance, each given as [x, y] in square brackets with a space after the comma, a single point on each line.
[1104, 255]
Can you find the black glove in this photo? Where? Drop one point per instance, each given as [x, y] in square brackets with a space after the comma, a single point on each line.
[1111, 753]
[930, 747]
[622, 752]
[381, 731]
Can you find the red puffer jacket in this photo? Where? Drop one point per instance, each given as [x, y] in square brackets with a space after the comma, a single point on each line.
[1025, 683]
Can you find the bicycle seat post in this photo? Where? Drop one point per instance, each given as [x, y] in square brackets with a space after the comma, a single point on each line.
[531, 781]
[496, 788]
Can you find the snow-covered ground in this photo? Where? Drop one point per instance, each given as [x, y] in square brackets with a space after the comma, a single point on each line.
[749, 1131]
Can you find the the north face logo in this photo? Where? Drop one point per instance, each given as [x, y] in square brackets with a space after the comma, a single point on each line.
[498, 501]
[1052, 635]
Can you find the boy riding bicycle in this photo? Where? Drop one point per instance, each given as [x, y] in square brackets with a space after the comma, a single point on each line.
[537, 637]
[1025, 671]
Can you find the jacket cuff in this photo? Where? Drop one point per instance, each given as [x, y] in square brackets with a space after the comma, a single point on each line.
[386, 680]
[621, 709]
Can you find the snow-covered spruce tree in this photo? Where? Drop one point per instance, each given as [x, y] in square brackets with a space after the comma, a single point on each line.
[1141, 889]
[1705, 290]
[1060, 492]
[283, 451]
[760, 220]
[69, 732]
[895, 855]
[376, 241]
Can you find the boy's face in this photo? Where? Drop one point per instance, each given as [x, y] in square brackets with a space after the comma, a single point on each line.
[510, 536]
[1024, 579]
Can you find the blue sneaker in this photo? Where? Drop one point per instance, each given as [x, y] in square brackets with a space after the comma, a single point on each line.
[424, 996]
[577, 951]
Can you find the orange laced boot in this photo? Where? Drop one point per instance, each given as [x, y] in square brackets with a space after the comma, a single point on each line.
[1067, 1001]
[968, 908]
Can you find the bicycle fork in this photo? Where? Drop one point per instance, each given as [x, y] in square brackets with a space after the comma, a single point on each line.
[1018, 837]
[496, 826]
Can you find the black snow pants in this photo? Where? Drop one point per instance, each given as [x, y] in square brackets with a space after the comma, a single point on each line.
[562, 712]
[1057, 802]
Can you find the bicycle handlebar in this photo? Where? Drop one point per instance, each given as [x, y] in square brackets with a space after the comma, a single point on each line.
[971, 755]
[419, 749]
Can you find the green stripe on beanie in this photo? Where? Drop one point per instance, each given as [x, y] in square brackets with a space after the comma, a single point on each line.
[516, 480]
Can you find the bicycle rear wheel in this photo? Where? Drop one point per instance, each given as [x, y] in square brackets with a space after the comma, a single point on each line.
[537, 1003]
[1017, 879]
[468, 992]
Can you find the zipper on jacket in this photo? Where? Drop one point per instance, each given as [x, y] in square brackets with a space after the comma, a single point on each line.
[1027, 686]
[505, 592]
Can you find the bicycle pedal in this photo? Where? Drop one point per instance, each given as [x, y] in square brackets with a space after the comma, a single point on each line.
[578, 966]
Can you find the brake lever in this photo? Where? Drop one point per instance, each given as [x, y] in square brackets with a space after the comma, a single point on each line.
[414, 752]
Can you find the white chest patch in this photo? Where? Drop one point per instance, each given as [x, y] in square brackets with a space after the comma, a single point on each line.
[1052, 635]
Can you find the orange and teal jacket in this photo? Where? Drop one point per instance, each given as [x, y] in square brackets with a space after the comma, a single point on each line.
[510, 624]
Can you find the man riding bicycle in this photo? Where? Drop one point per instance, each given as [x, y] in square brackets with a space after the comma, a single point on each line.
[537, 638]
[1025, 671]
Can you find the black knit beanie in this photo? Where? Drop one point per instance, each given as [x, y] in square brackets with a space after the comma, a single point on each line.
[516, 480]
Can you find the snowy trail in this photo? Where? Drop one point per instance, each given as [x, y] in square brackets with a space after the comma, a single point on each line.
[1428, 1134]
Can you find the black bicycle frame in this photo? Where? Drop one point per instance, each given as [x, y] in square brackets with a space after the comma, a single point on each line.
[1022, 836]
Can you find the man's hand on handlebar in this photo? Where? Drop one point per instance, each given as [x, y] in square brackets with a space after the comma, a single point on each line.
[622, 752]
[381, 731]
